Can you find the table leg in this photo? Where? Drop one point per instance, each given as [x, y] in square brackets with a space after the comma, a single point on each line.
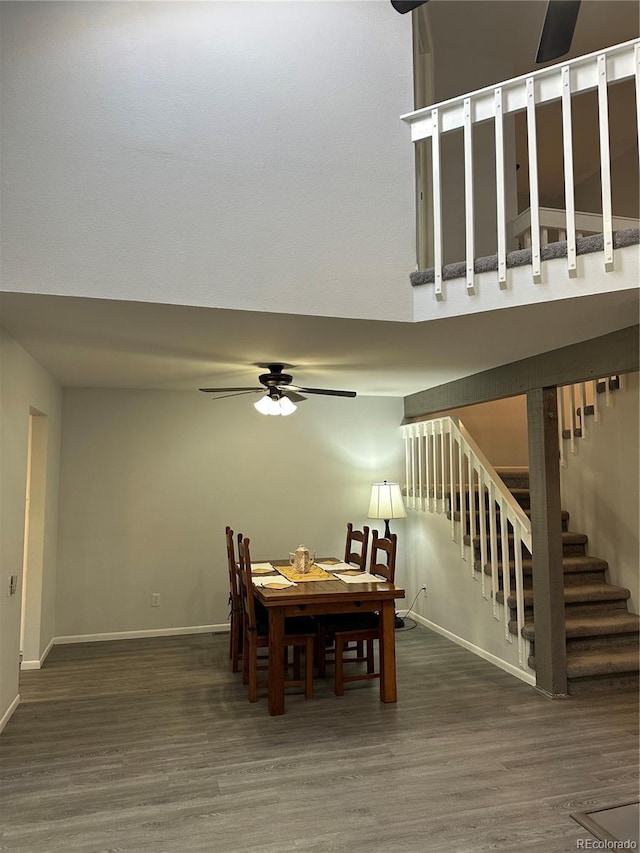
[276, 657]
[388, 689]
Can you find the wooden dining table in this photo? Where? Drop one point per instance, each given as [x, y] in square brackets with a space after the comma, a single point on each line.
[323, 597]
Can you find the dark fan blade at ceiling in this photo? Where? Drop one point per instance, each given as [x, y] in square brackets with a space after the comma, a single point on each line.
[326, 391]
[404, 6]
[292, 395]
[557, 30]
[223, 390]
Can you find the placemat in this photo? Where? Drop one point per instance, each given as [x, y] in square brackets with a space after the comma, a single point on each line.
[315, 573]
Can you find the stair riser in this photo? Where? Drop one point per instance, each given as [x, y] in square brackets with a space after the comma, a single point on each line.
[611, 641]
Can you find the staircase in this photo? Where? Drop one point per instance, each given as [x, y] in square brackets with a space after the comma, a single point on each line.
[602, 636]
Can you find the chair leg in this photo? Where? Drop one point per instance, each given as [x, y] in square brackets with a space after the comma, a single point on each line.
[338, 688]
[308, 666]
[370, 666]
[252, 654]
[246, 653]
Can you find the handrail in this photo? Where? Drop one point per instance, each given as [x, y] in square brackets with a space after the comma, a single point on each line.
[444, 463]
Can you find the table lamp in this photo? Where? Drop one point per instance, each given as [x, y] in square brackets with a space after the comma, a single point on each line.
[386, 503]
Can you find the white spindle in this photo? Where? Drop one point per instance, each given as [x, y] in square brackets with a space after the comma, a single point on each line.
[462, 500]
[420, 442]
[608, 396]
[567, 144]
[501, 216]
[561, 416]
[452, 483]
[493, 547]
[428, 465]
[583, 416]
[482, 502]
[605, 163]
[437, 204]
[572, 418]
[407, 439]
[517, 544]
[534, 201]
[413, 471]
[443, 468]
[471, 485]
[506, 570]
[596, 407]
[468, 197]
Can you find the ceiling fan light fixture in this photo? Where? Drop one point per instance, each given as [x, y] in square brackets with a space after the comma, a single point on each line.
[267, 405]
[274, 404]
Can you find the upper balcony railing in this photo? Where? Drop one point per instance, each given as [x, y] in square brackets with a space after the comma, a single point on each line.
[562, 82]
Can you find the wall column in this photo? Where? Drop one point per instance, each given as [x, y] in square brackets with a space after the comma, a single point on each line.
[546, 530]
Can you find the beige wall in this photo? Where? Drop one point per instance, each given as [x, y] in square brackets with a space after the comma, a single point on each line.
[600, 488]
[499, 428]
[150, 479]
[25, 385]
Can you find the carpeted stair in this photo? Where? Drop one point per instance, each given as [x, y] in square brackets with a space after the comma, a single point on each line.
[602, 636]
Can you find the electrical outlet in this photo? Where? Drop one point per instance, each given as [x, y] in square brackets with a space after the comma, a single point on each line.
[155, 599]
[423, 589]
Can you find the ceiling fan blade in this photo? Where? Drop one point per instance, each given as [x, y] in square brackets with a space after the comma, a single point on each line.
[295, 398]
[326, 391]
[404, 6]
[224, 390]
[557, 30]
[238, 393]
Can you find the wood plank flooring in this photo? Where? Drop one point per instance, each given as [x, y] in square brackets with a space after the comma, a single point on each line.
[149, 746]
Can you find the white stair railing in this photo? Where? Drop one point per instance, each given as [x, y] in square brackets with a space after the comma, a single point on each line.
[561, 82]
[447, 472]
[576, 403]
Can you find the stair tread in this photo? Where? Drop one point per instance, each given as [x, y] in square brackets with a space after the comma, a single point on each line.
[599, 624]
[570, 563]
[597, 662]
[585, 592]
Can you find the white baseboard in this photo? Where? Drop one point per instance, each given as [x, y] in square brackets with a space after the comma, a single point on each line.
[527, 677]
[9, 712]
[134, 635]
[37, 664]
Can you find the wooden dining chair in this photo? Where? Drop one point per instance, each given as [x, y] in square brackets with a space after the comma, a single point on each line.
[356, 546]
[235, 603]
[363, 627]
[299, 633]
[356, 549]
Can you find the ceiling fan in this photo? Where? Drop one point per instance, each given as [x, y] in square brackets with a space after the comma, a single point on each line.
[557, 30]
[279, 394]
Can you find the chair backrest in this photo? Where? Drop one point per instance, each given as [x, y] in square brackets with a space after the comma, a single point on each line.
[383, 556]
[246, 586]
[352, 552]
[234, 585]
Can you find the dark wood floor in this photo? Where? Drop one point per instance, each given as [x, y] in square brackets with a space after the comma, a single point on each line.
[149, 746]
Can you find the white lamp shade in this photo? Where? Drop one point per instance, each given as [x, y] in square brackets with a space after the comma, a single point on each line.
[386, 501]
[286, 406]
[267, 406]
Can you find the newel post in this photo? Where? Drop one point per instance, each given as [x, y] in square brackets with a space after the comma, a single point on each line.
[546, 534]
